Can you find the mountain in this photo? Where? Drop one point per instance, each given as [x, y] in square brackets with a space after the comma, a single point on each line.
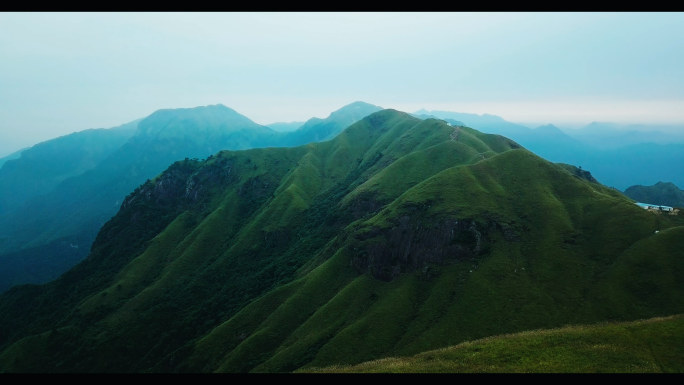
[14, 155]
[398, 236]
[317, 129]
[618, 156]
[203, 125]
[36, 170]
[661, 193]
[547, 141]
[485, 122]
[40, 232]
[59, 194]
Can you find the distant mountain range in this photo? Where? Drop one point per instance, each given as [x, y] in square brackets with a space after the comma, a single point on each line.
[661, 193]
[612, 135]
[37, 170]
[57, 194]
[618, 156]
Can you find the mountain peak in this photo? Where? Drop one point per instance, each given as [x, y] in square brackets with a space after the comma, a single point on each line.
[215, 119]
[360, 104]
[667, 184]
[355, 111]
[317, 129]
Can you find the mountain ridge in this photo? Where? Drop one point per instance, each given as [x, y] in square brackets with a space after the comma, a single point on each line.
[72, 210]
[612, 153]
[397, 236]
[661, 193]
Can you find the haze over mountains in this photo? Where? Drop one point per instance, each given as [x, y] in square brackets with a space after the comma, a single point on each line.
[399, 235]
[618, 156]
[52, 206]
[231, 202]
[57, 195]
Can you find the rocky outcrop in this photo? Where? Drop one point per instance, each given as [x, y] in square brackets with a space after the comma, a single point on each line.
[416, 242]
[184, 182]
[411, 245]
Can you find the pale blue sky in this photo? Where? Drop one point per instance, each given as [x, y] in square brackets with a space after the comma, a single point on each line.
[65, 72]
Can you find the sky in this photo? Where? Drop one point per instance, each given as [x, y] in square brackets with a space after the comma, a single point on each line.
[64, 72]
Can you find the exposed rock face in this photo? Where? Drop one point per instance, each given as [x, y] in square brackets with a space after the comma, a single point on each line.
[221, 172]
[167, 188]
[578, 172]
[415, 241]
[412, 245]
[183, 184]
[363, 205]
[586, 175]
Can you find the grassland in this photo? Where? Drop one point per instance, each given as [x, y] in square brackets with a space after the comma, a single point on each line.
[654, 345]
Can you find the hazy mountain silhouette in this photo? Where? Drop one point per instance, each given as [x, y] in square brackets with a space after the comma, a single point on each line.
[59, 193]
[614, 154]
[661, 193]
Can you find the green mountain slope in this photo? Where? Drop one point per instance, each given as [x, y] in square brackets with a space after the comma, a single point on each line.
[654, 345]
[530, 247]
[398, 236]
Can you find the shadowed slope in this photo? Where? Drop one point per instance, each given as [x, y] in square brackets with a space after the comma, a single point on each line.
[647, 346]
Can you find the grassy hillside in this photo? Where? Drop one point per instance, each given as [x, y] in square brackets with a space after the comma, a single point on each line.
[398, 236]
[647, 346]
[537, 248]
